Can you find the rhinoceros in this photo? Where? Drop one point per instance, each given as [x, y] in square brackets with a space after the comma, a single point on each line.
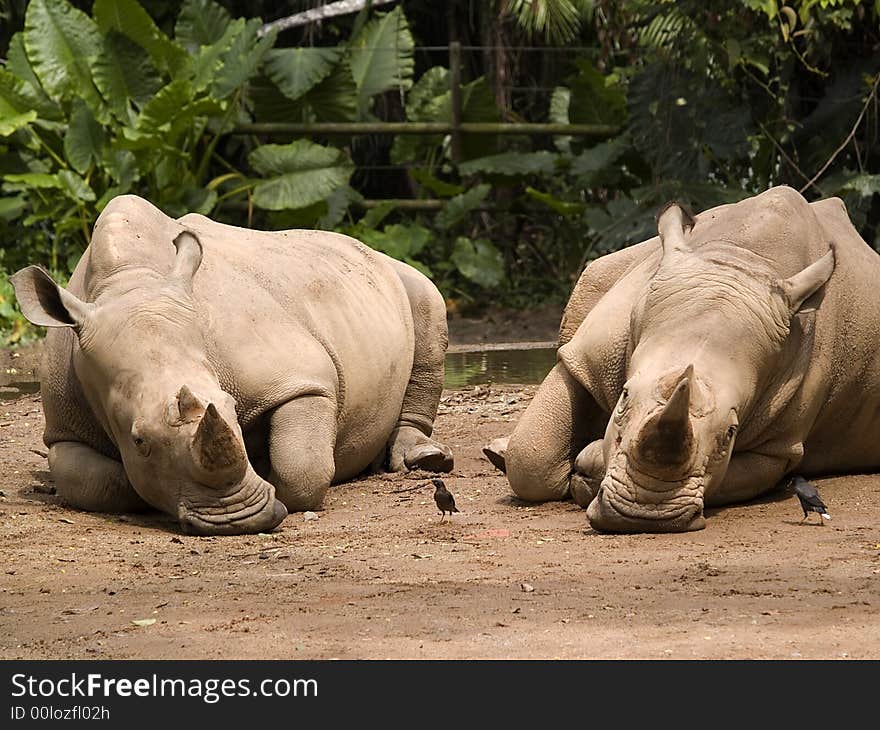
[227, 376]
[702, 366]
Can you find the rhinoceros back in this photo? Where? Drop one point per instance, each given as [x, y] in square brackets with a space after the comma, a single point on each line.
[285, 306]
[283, 313]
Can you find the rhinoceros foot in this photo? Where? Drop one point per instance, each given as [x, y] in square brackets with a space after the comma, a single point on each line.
[583, 489]
[409, 448]
[430, 457]
[496, 452]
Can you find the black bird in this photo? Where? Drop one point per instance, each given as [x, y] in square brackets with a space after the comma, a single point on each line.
[445, 501]
[810, 500]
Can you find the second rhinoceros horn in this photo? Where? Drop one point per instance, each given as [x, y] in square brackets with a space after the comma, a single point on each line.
[216, 447]
[665, 441]
[189, 408]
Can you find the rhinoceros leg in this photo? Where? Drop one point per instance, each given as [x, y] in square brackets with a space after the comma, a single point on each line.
[750, 474]
[410, 445]
[91, 481]
[559, 422]
[302, 437]
[589, 471]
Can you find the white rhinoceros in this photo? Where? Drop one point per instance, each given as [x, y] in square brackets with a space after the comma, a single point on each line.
[703, 366]
[225, 375]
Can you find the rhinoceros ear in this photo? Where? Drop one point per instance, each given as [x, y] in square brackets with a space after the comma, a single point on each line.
[45, 303]
[800, 287]
[672, 223]
[188, 259]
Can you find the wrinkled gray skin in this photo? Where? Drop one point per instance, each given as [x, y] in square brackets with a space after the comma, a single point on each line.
[702, 366]
[227, 376]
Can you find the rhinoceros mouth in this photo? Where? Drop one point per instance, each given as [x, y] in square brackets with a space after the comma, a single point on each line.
[633, 502]
[251, 508]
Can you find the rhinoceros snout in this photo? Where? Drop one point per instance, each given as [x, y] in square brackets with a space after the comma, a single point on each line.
[263, 521]
[605, 518]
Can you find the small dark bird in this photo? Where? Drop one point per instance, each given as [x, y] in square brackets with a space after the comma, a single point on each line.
[810, 500]
[445, 501]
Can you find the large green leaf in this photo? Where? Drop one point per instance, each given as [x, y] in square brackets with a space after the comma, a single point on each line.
[24, 180]
[19, 65]
[165, 106]
[12, 97]
[382, 57]
[268, 104]
[400, 241]
[60, 41]
[207, 63]
[299, 174]
[242, 59]
[478, 105]
[121, 165]
[461, 205]
[131, 20]
[479, 261]
[429, 98]
[595, 99]
[440, 188]
[590, 166]
[84, 139]
[75, 187]
[171, 112]
[123, 73]
[563, 207]
[338, 203]
[296, 70]
[274, 159]
[512, 164]
[431, 101]
[11, 122]
[335, 99]
[201, 23]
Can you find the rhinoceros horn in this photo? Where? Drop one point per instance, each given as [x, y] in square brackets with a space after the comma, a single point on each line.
[189, 408]
[665, 442]
[216, 447]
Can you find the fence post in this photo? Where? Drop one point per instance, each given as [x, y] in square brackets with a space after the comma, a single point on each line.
[455, 91]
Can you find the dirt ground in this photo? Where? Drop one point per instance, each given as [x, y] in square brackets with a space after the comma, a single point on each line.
[379, 575]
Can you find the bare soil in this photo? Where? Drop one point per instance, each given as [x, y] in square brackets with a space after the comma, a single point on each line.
[379, 575]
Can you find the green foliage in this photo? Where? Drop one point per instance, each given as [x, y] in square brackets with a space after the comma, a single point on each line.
[297, 175]
[296, 70]
[96, 106]
[558, 20]
[382, 57]
[479, 261]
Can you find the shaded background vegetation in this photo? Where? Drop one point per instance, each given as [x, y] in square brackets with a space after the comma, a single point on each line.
[710, 101]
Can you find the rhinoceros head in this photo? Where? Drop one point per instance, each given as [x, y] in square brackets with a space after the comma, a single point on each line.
[142, 364]
[706, 337]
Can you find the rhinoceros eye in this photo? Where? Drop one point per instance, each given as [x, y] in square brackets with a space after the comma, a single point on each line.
[138, 439]
[731, 432]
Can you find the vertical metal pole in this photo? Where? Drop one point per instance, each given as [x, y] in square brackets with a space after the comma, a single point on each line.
[455, 89]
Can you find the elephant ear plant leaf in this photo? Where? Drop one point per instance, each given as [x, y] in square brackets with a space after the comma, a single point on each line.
[298, 175]
[60, 42]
